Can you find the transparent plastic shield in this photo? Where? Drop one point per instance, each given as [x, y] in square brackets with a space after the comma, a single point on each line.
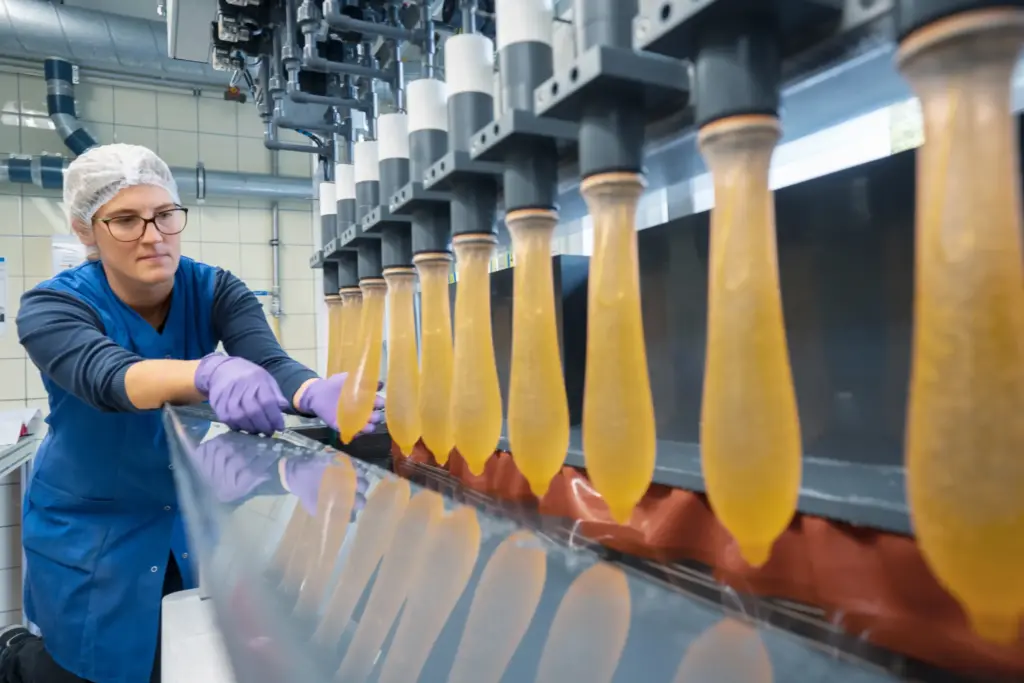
[321, 568]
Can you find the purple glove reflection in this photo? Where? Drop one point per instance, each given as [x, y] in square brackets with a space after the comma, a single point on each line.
[302, 477]
[234, 465]
[321, 399]
[242, 394]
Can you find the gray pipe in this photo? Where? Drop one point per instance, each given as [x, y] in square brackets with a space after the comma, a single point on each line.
[296, 95]
[47, 171]
[270, 142]
[336, 20]
[96, 40]
[275, 249]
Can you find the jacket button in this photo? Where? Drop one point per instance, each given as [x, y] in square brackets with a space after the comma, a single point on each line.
[167, 508]
[170, 467]
[154, 569]
[184, 556]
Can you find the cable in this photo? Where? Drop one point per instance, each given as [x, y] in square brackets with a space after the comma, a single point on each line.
[311, 136]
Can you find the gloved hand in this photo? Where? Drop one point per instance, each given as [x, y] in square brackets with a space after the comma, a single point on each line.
[242, 394]
[321, 399]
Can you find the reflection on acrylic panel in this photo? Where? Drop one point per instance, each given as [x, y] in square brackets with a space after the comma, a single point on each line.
[453, 544]
[504, 604]
[589, 630]
[403, 559]
[373, 534]
[336, 496]
[731, 651]
[385, 581]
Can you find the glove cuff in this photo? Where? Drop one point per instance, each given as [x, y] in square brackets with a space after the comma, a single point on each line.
[204, 373]
[306, 400]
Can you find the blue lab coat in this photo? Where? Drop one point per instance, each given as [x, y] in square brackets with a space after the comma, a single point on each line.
[101, 516]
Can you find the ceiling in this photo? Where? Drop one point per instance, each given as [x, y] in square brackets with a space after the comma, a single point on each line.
[142, 9]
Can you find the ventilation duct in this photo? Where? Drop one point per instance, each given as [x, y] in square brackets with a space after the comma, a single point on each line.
[47, 171]
[96, 40]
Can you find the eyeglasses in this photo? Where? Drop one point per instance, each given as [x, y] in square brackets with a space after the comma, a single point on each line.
[132, 228]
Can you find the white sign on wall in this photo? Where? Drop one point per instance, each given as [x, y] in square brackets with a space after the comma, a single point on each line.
[67, 252]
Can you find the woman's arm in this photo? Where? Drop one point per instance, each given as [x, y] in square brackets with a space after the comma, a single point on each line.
[66, 340]
[239, 322]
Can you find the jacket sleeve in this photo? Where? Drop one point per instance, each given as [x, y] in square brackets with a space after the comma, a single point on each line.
[239, 322]
[66, 340]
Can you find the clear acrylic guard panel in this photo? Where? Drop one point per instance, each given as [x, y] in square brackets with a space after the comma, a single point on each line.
[324, 568]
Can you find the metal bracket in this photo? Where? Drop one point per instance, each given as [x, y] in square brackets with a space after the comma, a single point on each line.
[659, 83]
[458, 166]
[492, 142]
[381, 217]
[413, 197]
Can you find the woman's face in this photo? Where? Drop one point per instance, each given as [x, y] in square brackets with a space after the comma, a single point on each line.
[136, 250]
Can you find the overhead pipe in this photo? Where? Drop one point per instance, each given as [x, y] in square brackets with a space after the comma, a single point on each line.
[46, 171]
[338, 21]
[110, 43]
[310, 60]
[271, 142]
[295, 94]
[60, 104]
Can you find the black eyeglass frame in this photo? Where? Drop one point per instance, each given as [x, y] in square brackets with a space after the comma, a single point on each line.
[145, 224]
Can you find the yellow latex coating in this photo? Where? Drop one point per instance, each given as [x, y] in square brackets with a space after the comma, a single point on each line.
[348, 334]
[451, 551]
[436, 354]
[335, 497]
[476, 396]
[360, 390]
[538, 411]
[378, 523]
[503, 606]
[595, 609]
[750, 429]
[618, 412]
[728, 651]
[965, 421]
[402, 561]
[402, 408]
[334, 312]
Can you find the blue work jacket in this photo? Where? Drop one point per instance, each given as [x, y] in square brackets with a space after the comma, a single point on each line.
[101, 516]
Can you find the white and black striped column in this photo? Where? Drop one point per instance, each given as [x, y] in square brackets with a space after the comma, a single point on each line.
[328, 213]
[525, 34]
[469, 68]
[392, 153]
[345, 191]
[367, 178]
[393, 150]
[427, 100]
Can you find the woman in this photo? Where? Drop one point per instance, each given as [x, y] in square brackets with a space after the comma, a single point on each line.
[115, 339]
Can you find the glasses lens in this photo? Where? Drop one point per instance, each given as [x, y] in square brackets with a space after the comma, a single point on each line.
[125, 228]
[171, 222]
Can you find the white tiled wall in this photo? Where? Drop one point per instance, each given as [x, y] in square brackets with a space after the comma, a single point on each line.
[234, 234]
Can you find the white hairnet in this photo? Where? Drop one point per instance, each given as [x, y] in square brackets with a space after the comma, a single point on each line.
[93, 179]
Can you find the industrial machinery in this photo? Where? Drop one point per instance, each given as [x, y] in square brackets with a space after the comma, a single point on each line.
[752, 425]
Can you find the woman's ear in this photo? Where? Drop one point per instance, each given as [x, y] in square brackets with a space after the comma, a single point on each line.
[84, 232]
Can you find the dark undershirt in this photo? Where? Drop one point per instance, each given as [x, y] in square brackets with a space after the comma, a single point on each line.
[66, 340]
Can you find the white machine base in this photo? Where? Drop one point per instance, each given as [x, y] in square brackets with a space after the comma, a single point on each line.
[191, 647]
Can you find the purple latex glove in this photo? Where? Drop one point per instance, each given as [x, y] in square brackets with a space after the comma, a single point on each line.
[242, 394]
[321, 399]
